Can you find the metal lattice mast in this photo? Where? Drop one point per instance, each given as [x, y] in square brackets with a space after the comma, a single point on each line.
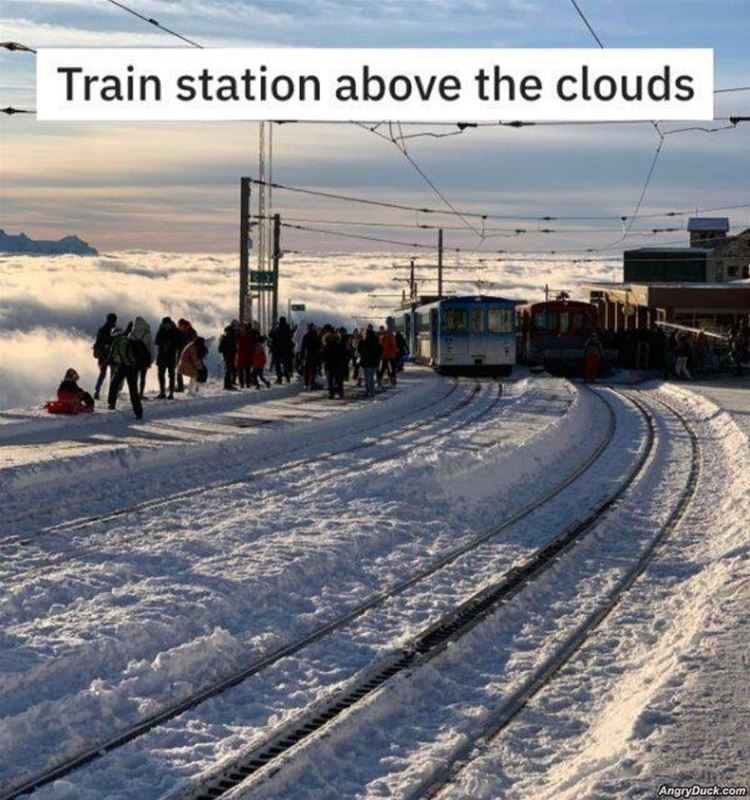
[261, 237]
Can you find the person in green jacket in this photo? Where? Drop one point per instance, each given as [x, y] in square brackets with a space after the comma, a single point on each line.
[124, 359]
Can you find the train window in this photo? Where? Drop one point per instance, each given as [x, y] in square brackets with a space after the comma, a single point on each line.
[500, 320]
[456, 320]
[546, 321]
[564, 322]
[477, 322]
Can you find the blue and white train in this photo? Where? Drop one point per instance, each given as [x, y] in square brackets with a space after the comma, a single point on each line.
[467, 335]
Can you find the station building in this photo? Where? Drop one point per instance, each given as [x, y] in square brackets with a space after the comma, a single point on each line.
[705, 285]
[637, 306]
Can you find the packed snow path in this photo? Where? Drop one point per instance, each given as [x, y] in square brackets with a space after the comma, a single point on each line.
[112, 623]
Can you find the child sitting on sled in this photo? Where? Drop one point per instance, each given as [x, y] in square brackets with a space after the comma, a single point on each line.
[71, 399]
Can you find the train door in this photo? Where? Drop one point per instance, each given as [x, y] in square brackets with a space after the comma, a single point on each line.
[477, 354]
[434, 330]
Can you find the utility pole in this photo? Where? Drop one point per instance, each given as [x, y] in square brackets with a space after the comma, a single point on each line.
[275, 262]
[440, 263]
[412, 285]
[244, 254]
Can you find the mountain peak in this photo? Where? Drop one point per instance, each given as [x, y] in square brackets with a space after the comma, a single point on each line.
[21, 243]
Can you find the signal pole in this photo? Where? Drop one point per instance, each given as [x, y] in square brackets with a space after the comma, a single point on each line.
[275, 261]
[244, 254]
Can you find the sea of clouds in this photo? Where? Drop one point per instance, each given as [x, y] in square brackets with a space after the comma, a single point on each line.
[51, 307]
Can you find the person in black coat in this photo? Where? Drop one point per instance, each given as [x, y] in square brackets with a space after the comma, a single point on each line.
[228, 350]
[370, 353]
[101, 350]
[335, 358]
[168, 346]
[310, 356]
[282, 350]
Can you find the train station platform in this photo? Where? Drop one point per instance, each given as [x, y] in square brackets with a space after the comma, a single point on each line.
[705, 722]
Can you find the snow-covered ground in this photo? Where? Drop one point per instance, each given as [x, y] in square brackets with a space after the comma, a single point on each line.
[142, 562]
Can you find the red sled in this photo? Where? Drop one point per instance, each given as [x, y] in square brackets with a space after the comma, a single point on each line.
[66, 407]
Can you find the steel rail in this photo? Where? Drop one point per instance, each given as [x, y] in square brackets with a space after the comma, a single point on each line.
[538, 681]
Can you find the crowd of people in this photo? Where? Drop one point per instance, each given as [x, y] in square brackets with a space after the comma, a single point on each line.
[126, 354]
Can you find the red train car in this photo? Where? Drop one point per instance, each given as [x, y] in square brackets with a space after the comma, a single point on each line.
[554, 335]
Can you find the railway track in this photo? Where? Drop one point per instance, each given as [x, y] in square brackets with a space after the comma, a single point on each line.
[83, 549]
[175, 497]
[372, 602]
[536, 682]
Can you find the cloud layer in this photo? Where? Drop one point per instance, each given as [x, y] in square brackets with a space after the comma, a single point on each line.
[51, 308]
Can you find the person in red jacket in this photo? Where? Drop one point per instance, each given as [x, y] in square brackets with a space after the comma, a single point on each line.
[259, 363]
[243, 355]
[389, 356]
[70, 393]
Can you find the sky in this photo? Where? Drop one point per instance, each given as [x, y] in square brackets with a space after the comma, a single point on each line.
[175, 186]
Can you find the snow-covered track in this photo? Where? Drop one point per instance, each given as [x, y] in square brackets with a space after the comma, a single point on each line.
[422, 648]
[539, 679]
[375, 600]
[274, 458]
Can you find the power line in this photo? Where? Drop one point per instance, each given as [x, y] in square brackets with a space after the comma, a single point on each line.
[357, 236]
[155, 23]
[500, 255]
[427, 210]
[398, 142]
[587, 23]
[489, 232]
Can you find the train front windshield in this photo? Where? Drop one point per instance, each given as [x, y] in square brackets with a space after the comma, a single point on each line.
[500, 320]
[474, 320]
[562, 322]
[456, 320]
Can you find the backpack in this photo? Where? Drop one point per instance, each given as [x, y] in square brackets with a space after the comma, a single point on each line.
[138, 353]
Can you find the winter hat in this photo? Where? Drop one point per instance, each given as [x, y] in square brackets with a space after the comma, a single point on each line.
[71, 375]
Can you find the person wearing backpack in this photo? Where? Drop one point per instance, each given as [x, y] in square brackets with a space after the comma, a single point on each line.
[122, 358]
[187, 335]
[143, 351]
[191, 364]
[101, 351]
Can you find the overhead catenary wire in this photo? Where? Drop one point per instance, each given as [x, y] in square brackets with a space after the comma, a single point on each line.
[428, 210]
[155, 23]
[398, 141]
[500, 255]
[490, 232]
[587, 23]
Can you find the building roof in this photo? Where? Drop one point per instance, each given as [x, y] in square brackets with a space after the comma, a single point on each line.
[687, 251]
[737, 285]
[712, 224]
